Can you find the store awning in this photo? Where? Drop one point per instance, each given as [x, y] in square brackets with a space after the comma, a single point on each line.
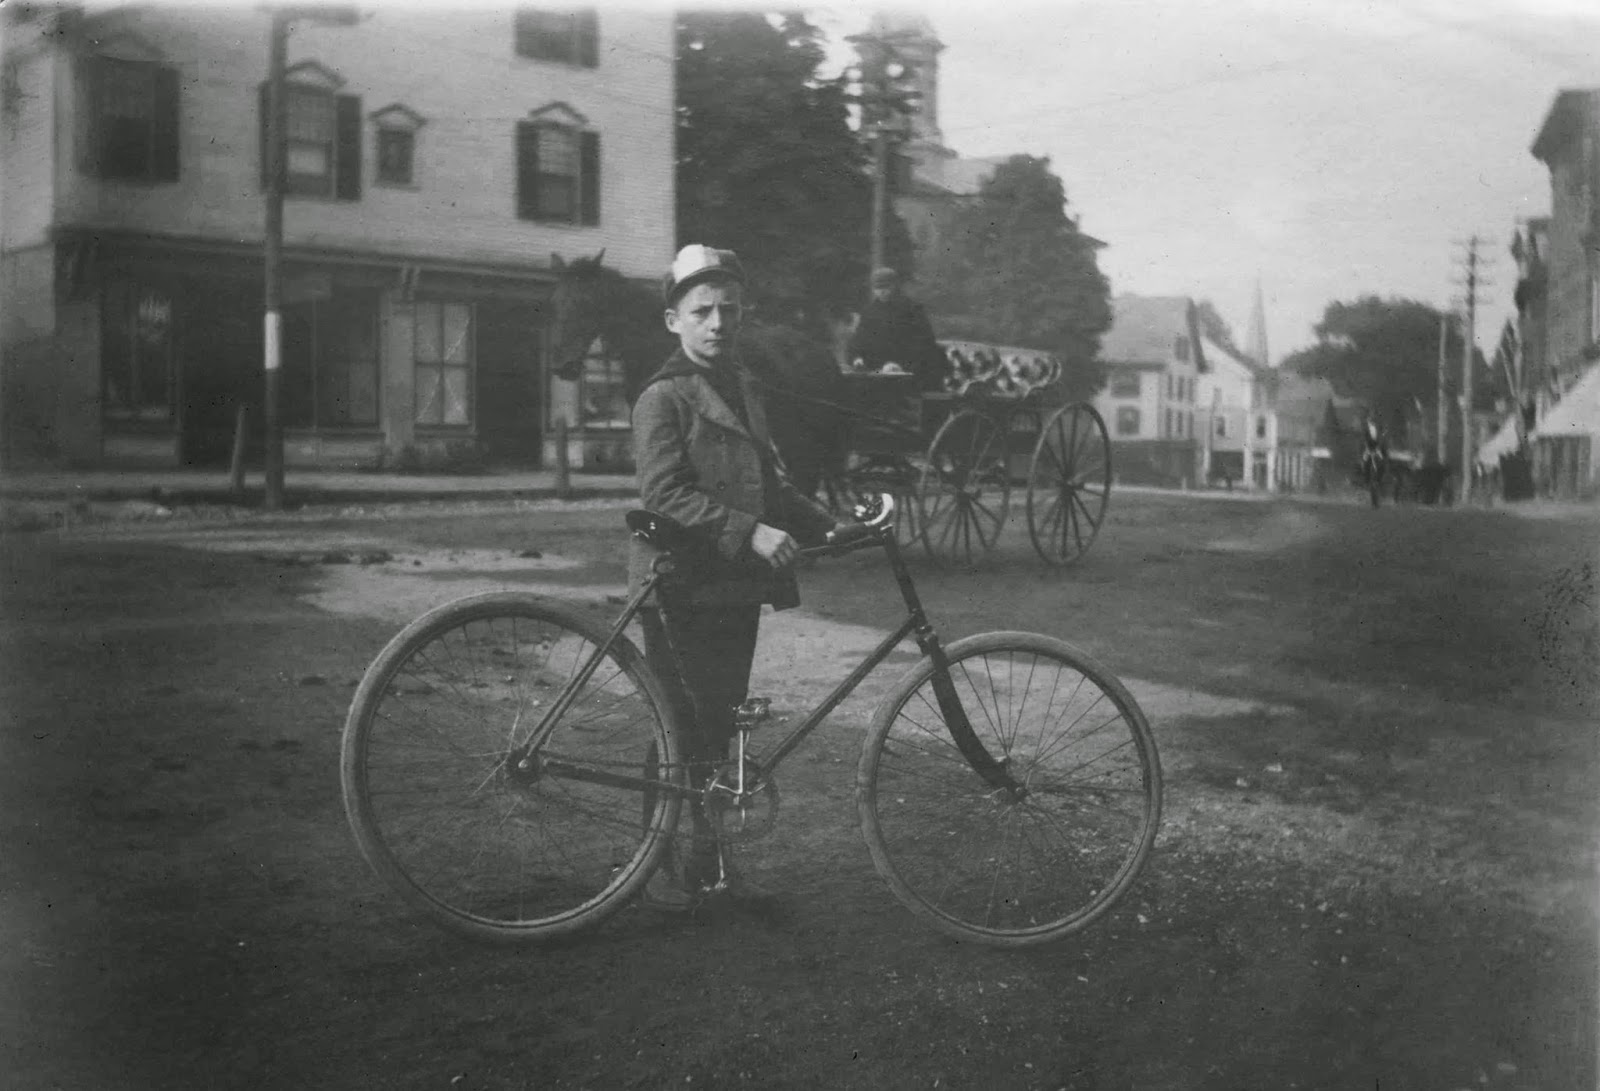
[1577, 414]
[1503, 442]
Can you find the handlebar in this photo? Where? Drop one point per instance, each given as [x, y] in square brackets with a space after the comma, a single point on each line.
[872, 516]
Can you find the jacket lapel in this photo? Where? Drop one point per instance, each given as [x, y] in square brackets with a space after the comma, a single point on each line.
[704, 401]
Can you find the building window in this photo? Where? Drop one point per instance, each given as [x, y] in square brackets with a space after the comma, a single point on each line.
[395, 150]
[558, 173]
[309, 141]
[322, 136]
[443, 353]
[569, 36]
[137, 379]
[1180, 348]
[396, 128]
[330, 361]
[130, 120]
[1261, 427]
[1127, 420]
[1125, 384]
[603, 393]
[1220, 426]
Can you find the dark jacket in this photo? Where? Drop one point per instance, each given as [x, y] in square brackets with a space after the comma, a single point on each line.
[897, 330]
[697, 463]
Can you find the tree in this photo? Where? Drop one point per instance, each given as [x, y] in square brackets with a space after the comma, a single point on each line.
[1385, 352]
[1016, 270]
[1215, 328]
[768, 164]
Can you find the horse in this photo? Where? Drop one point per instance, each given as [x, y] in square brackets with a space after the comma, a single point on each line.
[795, 371]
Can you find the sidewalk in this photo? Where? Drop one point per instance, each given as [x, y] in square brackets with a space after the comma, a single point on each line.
[44, 499]
[300, 486]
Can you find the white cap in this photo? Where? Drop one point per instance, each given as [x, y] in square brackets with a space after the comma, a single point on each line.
[696, 263]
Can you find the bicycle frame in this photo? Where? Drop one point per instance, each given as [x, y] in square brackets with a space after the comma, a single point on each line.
[916, 624]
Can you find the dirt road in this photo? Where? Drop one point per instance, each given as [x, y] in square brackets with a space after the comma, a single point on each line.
[1377, 868]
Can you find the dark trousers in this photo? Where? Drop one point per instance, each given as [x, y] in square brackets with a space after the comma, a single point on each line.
[702, 654]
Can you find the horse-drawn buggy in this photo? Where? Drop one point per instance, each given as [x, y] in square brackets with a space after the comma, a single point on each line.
[999, 433]
[1002, 429]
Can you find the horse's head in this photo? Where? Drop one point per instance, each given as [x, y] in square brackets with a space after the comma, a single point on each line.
[579, 310]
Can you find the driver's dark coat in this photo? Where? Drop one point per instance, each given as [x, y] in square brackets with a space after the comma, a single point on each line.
[699, 465]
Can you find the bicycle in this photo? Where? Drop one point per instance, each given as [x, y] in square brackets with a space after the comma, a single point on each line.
[511, 769]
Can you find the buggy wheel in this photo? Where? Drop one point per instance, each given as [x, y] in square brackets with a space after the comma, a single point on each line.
[1069, 483]
[965, 489]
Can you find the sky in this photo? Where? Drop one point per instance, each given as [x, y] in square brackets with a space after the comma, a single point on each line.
[1329, 148]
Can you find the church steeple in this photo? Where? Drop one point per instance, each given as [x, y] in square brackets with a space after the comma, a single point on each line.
[1256, 343]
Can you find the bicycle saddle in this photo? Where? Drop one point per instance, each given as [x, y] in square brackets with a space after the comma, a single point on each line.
[661, 531]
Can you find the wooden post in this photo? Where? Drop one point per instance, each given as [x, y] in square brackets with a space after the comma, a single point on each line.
[236, 466]
[563, 467]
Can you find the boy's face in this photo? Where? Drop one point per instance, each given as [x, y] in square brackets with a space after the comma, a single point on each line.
[706, 319]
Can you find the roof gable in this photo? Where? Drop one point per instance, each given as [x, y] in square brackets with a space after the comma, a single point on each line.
[558, 113]
[1144, 329]
[1570, 113]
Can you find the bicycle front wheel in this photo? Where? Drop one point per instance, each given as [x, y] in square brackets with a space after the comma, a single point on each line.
[484, 844]
[991, 865]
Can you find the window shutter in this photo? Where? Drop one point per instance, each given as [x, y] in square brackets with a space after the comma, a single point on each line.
[164, 142]
[589, 177]
[89, 108]
[347, 148]
[589, 38]
[262, 105]
[527, 170]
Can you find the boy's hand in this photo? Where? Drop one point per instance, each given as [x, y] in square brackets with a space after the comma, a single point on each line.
[774, 546]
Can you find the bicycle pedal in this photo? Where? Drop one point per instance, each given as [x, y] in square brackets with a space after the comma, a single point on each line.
[752, 711]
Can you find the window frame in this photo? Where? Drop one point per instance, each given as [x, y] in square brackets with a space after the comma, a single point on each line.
[161, 162]
[443, 365]
[1121, 382]
[602, 371]
[325, 350]
[1129, 422]
[382, 135]
[393, 121]
[586, 180]
[344, 175]
[307, 185]
[580, 45]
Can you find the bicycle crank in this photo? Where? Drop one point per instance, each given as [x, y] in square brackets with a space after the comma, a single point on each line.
[747, 814]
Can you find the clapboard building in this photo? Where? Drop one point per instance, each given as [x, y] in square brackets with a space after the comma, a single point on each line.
[436, 160]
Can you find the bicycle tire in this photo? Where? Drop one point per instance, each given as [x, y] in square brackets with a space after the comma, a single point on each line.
[1096, 793]
[448, 825]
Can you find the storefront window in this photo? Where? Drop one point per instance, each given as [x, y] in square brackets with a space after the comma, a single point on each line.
[137, 377]
[604, 394]
[330, 362]
[443, 362]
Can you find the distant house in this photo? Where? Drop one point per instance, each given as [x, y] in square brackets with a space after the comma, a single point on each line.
[1257, 425]
[436, 160]
[1558, 300]
[1154, 358]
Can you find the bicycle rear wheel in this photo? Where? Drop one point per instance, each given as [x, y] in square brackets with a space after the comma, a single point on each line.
[976, 861]
[483, 846]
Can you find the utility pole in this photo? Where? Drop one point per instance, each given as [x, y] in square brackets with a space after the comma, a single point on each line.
[885, 105]
[880, 197]
[1442, 422]
[272, 324]
[272, 272]
[1472, 281]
